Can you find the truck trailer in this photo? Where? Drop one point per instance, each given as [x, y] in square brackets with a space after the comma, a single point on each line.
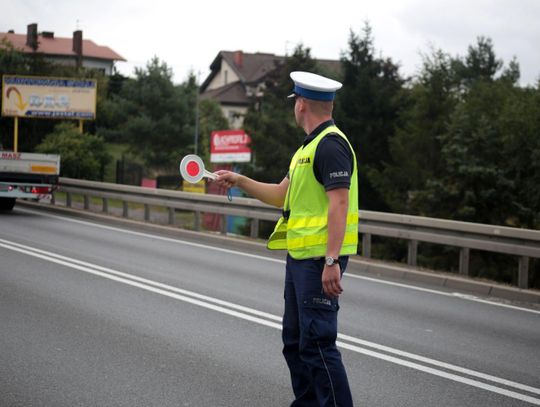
[27, 176]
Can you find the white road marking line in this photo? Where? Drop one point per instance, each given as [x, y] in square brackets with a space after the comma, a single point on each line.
[142, 280]
[480, 300]
[392, 283]
[461, 296]
[146, 287]
[440, 373]
[165, 290]
[238, 253]
[443, 365]
[157, 237]
[275, 317]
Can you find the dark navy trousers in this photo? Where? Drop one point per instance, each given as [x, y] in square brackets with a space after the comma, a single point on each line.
[309, 337]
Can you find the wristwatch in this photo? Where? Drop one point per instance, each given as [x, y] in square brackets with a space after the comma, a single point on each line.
[330, 261]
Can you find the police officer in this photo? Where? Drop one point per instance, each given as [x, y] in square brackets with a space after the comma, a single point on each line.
[319, 229]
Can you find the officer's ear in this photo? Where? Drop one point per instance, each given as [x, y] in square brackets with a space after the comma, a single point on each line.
[302, 103]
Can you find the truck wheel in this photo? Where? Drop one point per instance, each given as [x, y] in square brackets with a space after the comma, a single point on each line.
[7, 204]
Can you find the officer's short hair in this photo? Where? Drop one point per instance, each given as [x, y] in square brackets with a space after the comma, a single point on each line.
[319, 107]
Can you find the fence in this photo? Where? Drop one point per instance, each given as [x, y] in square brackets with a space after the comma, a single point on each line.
[522, 243]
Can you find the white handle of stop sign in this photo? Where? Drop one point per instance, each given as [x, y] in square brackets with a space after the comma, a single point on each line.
[208, 174]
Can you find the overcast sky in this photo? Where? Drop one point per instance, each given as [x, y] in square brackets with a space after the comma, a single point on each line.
[187, 35]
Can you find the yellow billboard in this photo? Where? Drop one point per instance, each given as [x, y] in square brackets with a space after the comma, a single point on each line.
[51, 98]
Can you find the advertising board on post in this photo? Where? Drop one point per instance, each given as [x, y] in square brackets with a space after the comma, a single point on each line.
[51, 98]
[47, 98]
[230, 146]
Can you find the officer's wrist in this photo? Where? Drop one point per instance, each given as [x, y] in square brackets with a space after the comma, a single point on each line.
[331, 261]
[240, 180]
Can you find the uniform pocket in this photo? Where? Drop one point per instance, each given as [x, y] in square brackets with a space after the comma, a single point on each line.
[319, 318]
[320, 302]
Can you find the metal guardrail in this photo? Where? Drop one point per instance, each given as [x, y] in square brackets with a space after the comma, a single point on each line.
[523, 243]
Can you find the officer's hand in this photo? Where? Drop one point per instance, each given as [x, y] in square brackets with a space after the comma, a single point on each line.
[331, 281]
[227, 179]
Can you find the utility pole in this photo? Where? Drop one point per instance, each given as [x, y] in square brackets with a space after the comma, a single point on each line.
[196, 141]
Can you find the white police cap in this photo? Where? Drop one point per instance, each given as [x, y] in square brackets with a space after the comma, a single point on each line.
[313, 86]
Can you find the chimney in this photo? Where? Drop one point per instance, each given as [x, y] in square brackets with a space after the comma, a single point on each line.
[78, 47]
[32, 36]
[47, 34]
[238, 58]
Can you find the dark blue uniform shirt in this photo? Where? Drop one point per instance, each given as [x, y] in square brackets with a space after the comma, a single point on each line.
[333, 163]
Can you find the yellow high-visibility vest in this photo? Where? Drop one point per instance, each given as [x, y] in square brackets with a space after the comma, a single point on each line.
[304, 234]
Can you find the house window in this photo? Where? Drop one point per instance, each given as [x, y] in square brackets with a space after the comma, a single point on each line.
[226, 73]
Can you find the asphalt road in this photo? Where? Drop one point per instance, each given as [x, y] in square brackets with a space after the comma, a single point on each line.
[100, 315]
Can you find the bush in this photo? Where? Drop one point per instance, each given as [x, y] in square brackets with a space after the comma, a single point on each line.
[81, 155]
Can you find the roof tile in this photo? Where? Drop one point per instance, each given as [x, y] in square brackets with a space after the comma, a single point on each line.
[62, 46]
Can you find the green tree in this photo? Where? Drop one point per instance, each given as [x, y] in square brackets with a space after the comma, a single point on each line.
[415, 149]
[481, 63]
[467, 148]
[82, 156]
[466, 144]
[520, 132]
[12, 60]
[490, 153]
[367, 110]
[473, 185]
[155, 117]
[489, 150]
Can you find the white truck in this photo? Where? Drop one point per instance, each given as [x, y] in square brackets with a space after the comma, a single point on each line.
[28, 176]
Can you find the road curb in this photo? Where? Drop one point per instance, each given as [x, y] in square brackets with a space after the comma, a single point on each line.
[360, 265]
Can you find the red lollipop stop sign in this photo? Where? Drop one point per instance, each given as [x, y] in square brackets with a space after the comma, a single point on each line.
[192, 169]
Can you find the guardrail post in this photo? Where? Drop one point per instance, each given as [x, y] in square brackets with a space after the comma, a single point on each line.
[366, 245]
[523, 272]
[464, 256]
[412, 252]
[68, 199]
[146, 212]
[171, 216]
[223, 224]
[254, 233]
[86, 202]
[125, 209]
[197, 221]
[105, 205]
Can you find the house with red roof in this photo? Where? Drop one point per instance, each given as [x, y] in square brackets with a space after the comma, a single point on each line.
[74, 51]
[236, 80]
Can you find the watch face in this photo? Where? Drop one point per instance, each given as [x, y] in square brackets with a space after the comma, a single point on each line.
[330, 261]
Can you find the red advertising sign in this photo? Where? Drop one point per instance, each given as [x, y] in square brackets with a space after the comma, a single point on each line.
[230, 146]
